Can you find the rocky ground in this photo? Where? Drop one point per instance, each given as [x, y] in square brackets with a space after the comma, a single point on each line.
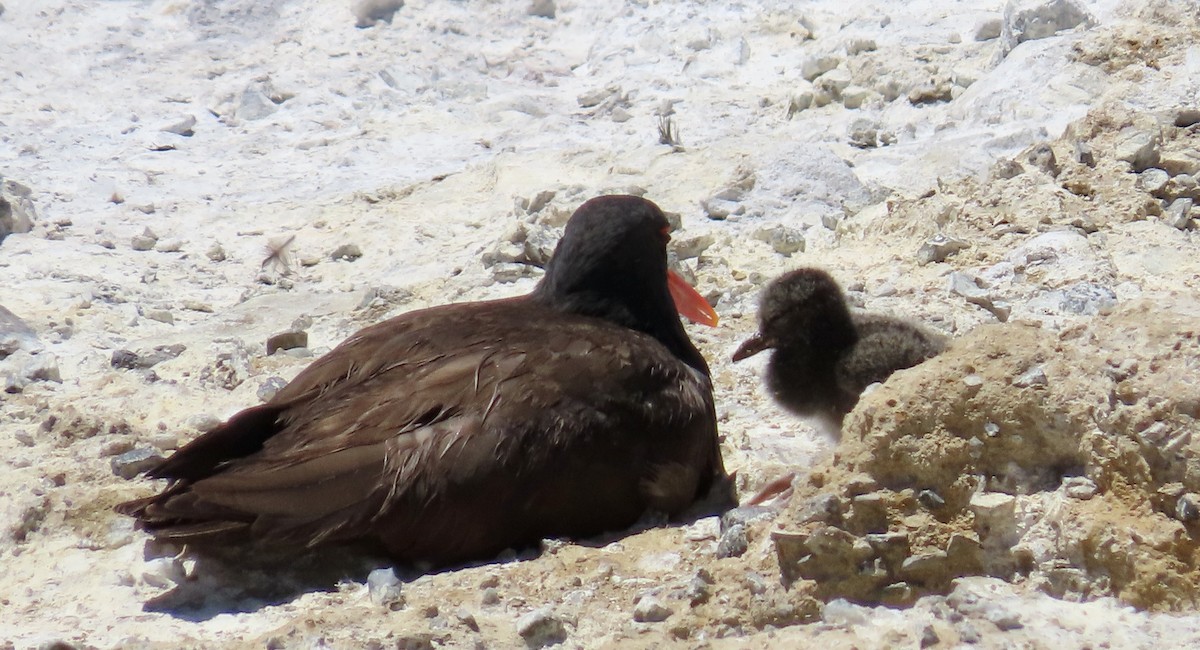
[184, 180]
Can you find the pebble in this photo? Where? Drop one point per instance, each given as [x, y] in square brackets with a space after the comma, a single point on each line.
[784, 240]
[116, 447]
[367, 13]
[816, 66]
[183, 127]
[215, 253]
[1037, 19]
[144, 241]
[966, 286]
[855, 96]
[842, 612]
[348, 252]
[940, 247]
[989, 28]
[384, 588]
[931, 92]
[287, 341]
[163, 572]
[650, 609]
[266, 392]
[733, 542]
[693, 246]
[698, 591]
[1138, 147]
[1035, 376]
[1153, 180]
[160, 315]
[489, 596]
[134, 462]
[1079, 487]
[203, 422]
[465, 617]
[541, 628]
[169, 246]
[1179, 213]
[1187, 508]
[993, 506]
[541, 8]
[860, 45]
[930, 499]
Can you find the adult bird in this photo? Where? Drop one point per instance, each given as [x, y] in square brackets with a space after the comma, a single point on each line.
[449, 434]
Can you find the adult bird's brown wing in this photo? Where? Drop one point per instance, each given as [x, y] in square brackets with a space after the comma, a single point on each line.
[452, 433]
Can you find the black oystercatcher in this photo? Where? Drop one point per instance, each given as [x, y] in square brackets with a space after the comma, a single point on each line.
[824, 354]
[452, 433]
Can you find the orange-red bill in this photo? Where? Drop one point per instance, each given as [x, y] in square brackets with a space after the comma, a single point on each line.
[689, 302]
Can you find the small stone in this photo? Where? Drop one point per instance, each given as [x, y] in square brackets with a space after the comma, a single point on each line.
[1153, 180]
[1179, 213]
[465, 617]
[833, 82]
[541, 8]
[929, 636]
[384, 588]
[719, 210]
[925, 567]
[368, 13]
[1187, 117]
[733, 542]
[1187, 508]
[939, 248]
[1041, 156]
[1037, 19]
[287, 341]
[650, 610]
[1079, 487]
[203, 422]
[215, 253]
[541, 628]
[489, 596]
[993, 506]
[860, 45]
[116, 447]
[698, 590]
[855, 96]
[930, 499]
[816, 66]
[844, 613]
[989, 28]
[423, 641]
[160, 315]
[183, 127]
[348, 252]
[169, 246]
[1139, 148]
[164, 572]
[144, 241]
[689, 247]
[125, 359]
[931, 92]
[784, 240]
[1035, 376]
[132, 463]
[270, 387]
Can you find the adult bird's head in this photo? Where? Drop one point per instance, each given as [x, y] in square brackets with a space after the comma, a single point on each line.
[611, 263]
